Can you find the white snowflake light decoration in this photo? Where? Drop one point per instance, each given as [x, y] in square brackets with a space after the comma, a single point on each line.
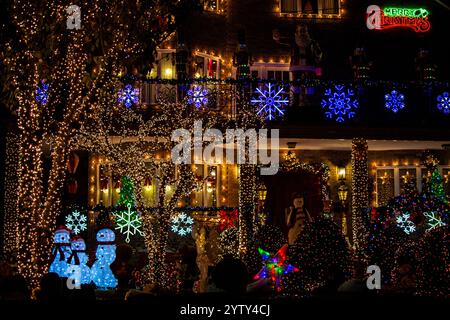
[405, 224]
[270, 102]
[394, 101]
[198, 96]
[182, 224]
[128, 96]
[433, 220]
[443, 102]
[339, 103]
[128, 223]
[76, 222]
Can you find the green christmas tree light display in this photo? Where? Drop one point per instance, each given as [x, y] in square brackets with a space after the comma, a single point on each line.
[128, 220]
[437, 186]
[126, 193]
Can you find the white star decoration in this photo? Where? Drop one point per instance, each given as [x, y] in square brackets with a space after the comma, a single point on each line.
[76, 222]
[128, 222]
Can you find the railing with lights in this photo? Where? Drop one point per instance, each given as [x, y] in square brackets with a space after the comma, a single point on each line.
[313, 102]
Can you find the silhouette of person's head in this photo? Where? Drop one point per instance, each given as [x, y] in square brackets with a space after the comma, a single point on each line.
[231, 275]
[51, 287]
[14, 288]
[189, 271]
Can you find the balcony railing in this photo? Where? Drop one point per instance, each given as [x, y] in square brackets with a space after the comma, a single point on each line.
[316, 102]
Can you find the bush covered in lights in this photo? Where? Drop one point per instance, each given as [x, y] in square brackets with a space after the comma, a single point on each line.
[322, 255]
[433, 272]
[269, 238]
[228, 244]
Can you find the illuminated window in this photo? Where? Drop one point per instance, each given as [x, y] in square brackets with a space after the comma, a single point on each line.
[167, 68]
[216, 6]
[310, 7]
[206, 66]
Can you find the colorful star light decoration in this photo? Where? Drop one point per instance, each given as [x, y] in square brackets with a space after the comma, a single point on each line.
[340, 103]
[182, 224]
[76, 222]
[275, 266]
[433, 220]
[270, 102]
[42, 93]
[227, 219]
[128, 96]
[443, 102]
[394, 101]
[198, 96]
[405, 224]
[128, 222]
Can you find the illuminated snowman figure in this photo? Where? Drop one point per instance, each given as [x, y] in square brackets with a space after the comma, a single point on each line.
[78, 270]
[101, 272]
[61, 251]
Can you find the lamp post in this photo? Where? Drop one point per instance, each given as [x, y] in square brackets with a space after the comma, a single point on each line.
[343, 195]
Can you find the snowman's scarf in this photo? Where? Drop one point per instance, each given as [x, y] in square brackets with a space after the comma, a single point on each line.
[105, 243]
[58, 249]
[74, 255]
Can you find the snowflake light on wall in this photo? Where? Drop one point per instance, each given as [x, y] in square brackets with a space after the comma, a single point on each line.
[405, 224]
[394, 101]
[433, 220]
[339, 103]
[128, 222]
[182, 224]
[443, 102]
[128, 96]
[76, 221]
[198, 96]
[42, 93]
[270, 102]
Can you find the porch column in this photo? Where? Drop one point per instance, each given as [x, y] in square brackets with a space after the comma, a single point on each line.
[360, 191]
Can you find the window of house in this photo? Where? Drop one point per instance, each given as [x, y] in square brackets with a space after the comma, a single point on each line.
[393, 181]
[206, 66]
[216, 6]
[167, 68]
[307, 7]
[278, 75]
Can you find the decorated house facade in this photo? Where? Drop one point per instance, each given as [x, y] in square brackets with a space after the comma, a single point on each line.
[353, 130]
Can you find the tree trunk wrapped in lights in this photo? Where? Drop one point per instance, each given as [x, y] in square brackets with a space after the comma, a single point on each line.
[247, 202]
[360, 191]
[10, 219]
[60, 77]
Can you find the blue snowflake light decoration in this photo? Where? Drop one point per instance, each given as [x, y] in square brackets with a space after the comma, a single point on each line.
[270, 102]
[394, 101]
[182, 224]
[128, 96]
[76, 221]
[198, 96]
[443, 102]
[339, 103]
[42, 93]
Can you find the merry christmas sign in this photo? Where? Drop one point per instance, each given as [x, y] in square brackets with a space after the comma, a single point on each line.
[393, 17]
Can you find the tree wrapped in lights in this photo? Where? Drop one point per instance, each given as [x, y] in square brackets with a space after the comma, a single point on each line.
[360, 191]
[80, 69]
[140, 148]
[10, 218]
[322, 255]
[228, 244]
[434, 264]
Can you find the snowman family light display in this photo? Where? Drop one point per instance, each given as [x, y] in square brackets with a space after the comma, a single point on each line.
[70, 259]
